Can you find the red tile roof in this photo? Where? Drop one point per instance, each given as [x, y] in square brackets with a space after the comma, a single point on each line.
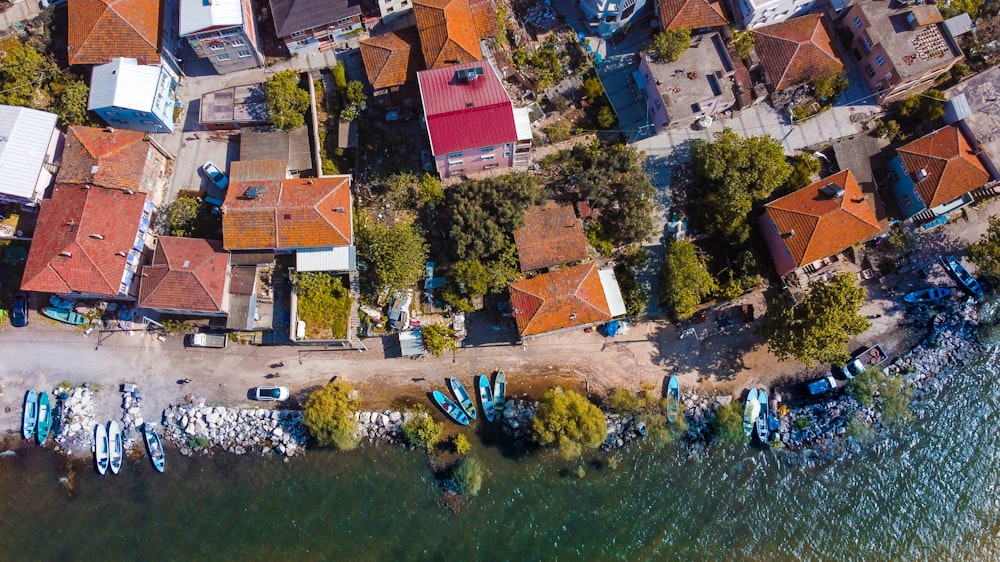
[105, 29]
[391, 59]
[952, 167]
[464, 114]
[484, 16]
[185, 274]
[551, 235]
[109, 159]
[447, 31]
[691, 14]
[288, 213]
[81, 240]
[566, 298]
[796, 51]
[814, 225]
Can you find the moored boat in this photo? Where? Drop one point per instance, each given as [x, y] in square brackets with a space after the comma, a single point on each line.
[485, 395]
[44, 418]
[673, 399]
[762, 426]
[964, 279]
[154, 446]
[115, 448]
[462, 396]
[30, 416]
[750, 412]
[101, 449]
[64, 315]
[499, 391]
[451, 408]
[927, 295]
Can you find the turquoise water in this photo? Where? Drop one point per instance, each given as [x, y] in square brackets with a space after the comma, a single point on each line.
[925, 492]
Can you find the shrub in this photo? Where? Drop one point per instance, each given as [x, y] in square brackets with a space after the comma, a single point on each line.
[660, 432]
[859, 429]
[329, 416]
[422, 431]
[569, 421]
[888, 130]
[802, 423]
[829, 85]
[462, 445]
[438, 338]
[728, 423]
[606, 117]
[668, 46]
[624, 402]
[287, 102]
[199, 442]
[323, 303]
[468, 477]
[558, 132]
[804, 167]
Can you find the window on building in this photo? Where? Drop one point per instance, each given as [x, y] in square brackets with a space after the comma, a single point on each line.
[880, 60]
[342, 21]
[867, 44]
[455, 155]
[869, 70]
[243, 54]
[216, 46]
[390, 10]
[490, 166]
[487, 149]
[298, 34]
[455, 162]
[857, 22]
[223, 57]
[237, 42]
[404, 3]
[487, 157]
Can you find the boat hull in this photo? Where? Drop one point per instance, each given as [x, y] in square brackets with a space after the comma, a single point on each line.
[965, 280]
[155, 448]
[29, 416]
[116, 447]
[485, 396]
[450, 408]
[462, 396]
[750, 412]
[927, 295]
[673, 399]
[101, 449]
[499, 393]
[44, 418]
[65, 316]
[762, 429]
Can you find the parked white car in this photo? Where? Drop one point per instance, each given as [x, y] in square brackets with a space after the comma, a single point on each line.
[270, 393]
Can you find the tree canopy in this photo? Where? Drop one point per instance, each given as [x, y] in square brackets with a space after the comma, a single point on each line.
[925, 107]
[468, 476]
[804, 167]
[684, 279]
[355, 101]
[569, 421]
[287, 102]
[819, 327]
[893, 394]
[668, 46]
[391, 257]
[829, 85]
[29, 79]
[422, 431]
[985, 253]
[188, 217]
[329, 416]
[438, 338]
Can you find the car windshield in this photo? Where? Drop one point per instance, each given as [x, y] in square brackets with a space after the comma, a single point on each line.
[271, 392]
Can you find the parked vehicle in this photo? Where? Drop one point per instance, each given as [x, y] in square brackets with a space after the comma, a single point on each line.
[399, 312]
[864, 360]
[270, 393]
[819, 386]
[19, 311]
[207, 340]
[215, 174]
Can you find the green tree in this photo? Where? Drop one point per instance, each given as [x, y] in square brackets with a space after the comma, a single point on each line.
[438, 338]
[189, 217]
[925, 107]
[727, 424]
[468, 477]
[462, 445]
[70, 101]
[985, 252]
[339, 74]
[606, 117]
[355, 101]
[739, 276]
[473, 276]
[391, 257]
[287, 102]
[829, 85]
[480, 216]
[592, 89]
[888, 130]
[422, 431]
[819, 327]
[743, 42]
[624, 402]
[431, 191]
[323, 303]
[684, 279]
[569, 421]
[876, 386]
[329, 416]
[668, 46]
[731, 174]
[24, 75]
[804, 167]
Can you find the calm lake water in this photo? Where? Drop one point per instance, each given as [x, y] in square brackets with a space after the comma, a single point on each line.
[926, 492]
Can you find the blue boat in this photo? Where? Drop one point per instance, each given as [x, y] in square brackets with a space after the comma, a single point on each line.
[44, 418]
[485, 395]
[964, 279]
[451, 408]
[673, 399]
[499, 391]
[154, 446]
[462, 395]
[927, 295]
[750, 412]
[30, 417]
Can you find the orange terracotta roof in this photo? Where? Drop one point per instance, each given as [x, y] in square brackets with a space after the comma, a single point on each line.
[286, 213]
[814, 225]
[115, 159]
[391, 59]
[796, 51]
[484, 16]
[551, 235]
[105, 29]
[185, 274]
[566, 298]
[952, 167]
[691, 14]
[447, 31]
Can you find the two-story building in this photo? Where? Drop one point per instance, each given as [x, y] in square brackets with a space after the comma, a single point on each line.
[223, 32]
[570, 298]
[796, 52]
[902, 49]
[186, 277]
[309, 25]
[691, 14]
[129, 95]
[103, 30]
[607, 17]
[758, 13]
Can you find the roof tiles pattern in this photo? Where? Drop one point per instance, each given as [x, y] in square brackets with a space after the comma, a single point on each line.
[952, 167]
[185, 274]
[691, 14]
[105, 29]
[566, 298]
[796, 51]
[447, 31]
[391, 59]
[292, 16]
[101, 157]
[551, 235]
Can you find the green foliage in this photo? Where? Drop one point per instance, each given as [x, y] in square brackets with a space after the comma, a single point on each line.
[287, 102]
[731, 174]
[329, 416]
[925, 107]
[171, 326]
[660, 432]
[668, 46]
[891, 390]
[581, 472]
[956, 7]
[802, 423]
[569, 421]
[431, 191]
[355, 101]
[888, 130]
[985, 252]
[625, 402]
[543, 64]
[339, 74]
[829, 85]
[743, 42]
[606, 117]
[819, 327]
[558, 132]
[392, 257]
[438, 338]
[189, 217]
[739, 277]
[70, 101]
[900, 240]
[727, 424]
[199, 442]
[468, 477]
[613, 462]
[631, 262]
[804, 166]
[24, 75]
[959, 71]
[323, 303]
[684, 279]
[592, 89]
[462, 445]
[481, 215]
[473, 275]
[599, 239]
[422, 431]
[859, 428]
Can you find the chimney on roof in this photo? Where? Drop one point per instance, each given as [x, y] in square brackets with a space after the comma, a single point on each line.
[861, 199]
[94, 169]
[309, 182]
[120, 253]
[71, 223]
[130, 192]
[921, 174]
[110, 130]
[789, 234]
[572, 316]
[97, 236]
[339, 210]
[66, 254]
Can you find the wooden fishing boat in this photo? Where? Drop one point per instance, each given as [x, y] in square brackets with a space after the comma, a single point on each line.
[762, 429]
[64, 315]
[927, 295]
[30, 415]
[44, 418]
[485, 396]
[499, 391]
[451, 408]
[116, 450]
[101, 449]
[673, 399]
[462, 396]
[154, 446]
[964, 279]
[750, 412]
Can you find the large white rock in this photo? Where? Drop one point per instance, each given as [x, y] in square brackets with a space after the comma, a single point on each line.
[278, 432]
[366, 417]
[395, 416]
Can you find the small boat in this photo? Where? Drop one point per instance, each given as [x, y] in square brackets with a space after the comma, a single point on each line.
[499, 390]
[965, 280]
[155, 448]
[762, 426]
[485, 396]
[451, 408]
[30, 416]
[750, 412]
[64, 315]
[673, 399]
[101, 449]
[927, 295]
[44, 418]
[116, 450]
[462, 396]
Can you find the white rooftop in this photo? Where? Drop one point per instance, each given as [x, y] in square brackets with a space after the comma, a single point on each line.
[123, 83]
[338, 258]
[199, 15]
[522, 123]
[612, 292]
[24, 140]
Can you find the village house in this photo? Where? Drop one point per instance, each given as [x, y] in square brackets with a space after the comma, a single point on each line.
[607, 17]
[796, 52]
[569, 298]
[186, 277]
[551, 235]
[309, 25]
[103, 30]
[392, 60]
[972, 107]
[32, 144]
[223, 32]
[234, 108]
[759, 13]
[128, 95]
[698, 15]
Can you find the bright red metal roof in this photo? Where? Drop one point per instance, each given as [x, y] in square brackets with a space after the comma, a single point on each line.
[463, 114]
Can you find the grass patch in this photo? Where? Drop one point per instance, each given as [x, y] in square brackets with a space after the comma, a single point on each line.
[324, 304]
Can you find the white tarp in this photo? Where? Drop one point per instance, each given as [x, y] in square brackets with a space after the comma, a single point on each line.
[612, 292]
